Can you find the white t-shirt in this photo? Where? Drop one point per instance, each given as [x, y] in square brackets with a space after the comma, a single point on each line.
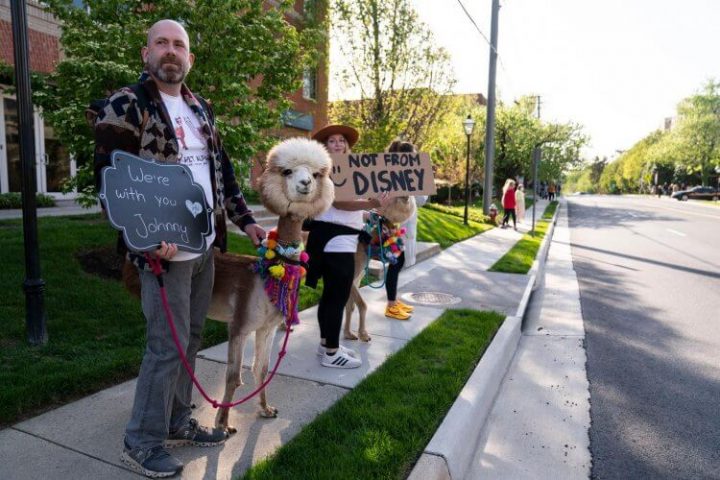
[194, 154]
[342, 243]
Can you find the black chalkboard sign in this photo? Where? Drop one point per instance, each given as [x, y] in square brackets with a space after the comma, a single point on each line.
[151, 202]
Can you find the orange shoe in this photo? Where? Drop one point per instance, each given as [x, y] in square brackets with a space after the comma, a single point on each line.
[404, 306]
[396, 312]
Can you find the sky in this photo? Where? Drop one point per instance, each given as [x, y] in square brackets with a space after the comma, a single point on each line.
[616, 67]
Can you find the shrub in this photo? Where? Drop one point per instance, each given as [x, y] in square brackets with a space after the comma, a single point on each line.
[14, 200]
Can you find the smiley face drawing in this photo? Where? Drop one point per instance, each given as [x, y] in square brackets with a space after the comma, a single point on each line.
[336, 169]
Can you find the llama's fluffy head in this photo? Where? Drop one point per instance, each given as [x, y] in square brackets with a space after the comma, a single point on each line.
[399, 209]
[296, 181]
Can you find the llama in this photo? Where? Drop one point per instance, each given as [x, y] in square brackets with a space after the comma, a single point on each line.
[295, 185]
[398, 210]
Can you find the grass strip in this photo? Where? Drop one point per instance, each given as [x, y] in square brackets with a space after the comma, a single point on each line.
[445, 228]
[550, 210]
[380, 428]
[520, 257]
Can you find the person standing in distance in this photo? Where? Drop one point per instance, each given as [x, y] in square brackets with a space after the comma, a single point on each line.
[148, 119]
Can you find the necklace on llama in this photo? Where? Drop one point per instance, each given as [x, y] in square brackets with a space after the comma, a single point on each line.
[282, 267]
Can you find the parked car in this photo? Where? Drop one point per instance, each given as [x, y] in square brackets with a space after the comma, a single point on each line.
[697, 193]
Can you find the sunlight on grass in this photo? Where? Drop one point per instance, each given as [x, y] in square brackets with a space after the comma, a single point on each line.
[381, 427]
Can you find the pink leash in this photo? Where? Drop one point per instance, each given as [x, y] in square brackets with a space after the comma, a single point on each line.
[156, 266]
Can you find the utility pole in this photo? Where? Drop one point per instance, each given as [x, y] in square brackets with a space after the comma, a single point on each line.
[537, 153]
[490, 123]
[33, 285]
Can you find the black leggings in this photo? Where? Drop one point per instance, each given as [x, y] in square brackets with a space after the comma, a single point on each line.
[338, 270]
[391, 279]
[508, 212]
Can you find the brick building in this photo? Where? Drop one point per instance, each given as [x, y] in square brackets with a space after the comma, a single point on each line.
[54, 165]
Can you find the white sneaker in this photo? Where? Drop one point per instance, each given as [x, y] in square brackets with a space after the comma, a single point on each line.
[322, 349]
[340, 360]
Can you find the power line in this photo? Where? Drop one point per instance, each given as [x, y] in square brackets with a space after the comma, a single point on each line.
[476, 27]
[472, 20]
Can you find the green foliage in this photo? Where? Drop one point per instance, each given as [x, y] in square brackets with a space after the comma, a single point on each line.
[380, 428]
[13, 200]
[248, 59]
[391, 60]
[688, 153]
[517, 132]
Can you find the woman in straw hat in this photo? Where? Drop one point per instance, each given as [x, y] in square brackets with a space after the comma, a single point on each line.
[332, 244]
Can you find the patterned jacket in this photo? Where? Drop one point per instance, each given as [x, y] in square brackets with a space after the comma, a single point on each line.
[141, 125]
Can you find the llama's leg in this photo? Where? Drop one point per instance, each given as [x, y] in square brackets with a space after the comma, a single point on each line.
[263, 347]
[233, 379]
[362, 310]
[349, 308]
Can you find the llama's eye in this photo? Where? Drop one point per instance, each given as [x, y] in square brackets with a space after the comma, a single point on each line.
[316, 174]
[287, 172]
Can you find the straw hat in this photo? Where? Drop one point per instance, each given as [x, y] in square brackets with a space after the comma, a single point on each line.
[350, 134]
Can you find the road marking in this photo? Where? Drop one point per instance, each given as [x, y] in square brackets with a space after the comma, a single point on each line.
[676, 232]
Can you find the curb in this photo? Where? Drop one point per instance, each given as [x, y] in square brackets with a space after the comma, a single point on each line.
[451, 450]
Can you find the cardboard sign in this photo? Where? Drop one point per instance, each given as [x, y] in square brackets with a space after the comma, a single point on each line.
[151, 202]
[366, 175]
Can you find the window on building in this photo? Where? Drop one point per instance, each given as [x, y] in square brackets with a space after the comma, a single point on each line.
[310, 84]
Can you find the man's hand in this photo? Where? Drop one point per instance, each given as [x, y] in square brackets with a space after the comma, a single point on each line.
[255, 232]
[166, 251]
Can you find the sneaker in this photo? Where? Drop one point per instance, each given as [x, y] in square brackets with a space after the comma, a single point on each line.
[396, 312]
[154, 462]
[405, 306]
[349, 351]
[196, 435]
[340, 360]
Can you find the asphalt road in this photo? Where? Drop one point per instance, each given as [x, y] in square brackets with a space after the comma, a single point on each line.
[649, 276]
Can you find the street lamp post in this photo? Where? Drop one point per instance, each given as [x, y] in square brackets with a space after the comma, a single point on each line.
[468, 125]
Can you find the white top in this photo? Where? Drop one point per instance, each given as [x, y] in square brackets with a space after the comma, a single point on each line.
[193, 154]
[342, 243]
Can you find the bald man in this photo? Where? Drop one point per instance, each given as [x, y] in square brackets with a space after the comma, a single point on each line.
[160, 119]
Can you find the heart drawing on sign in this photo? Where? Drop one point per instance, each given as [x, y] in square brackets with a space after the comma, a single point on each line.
[194, 207]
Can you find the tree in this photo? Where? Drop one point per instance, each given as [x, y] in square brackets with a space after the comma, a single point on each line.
[248, 59]
[517, 134]
[448, 144]
[698, 130]
[402, 79]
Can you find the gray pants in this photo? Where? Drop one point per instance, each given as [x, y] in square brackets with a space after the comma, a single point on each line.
[163, 392]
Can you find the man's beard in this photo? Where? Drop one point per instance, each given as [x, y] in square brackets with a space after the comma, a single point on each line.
[171, 76]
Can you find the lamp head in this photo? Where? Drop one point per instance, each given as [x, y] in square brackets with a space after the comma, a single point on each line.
[468, 125]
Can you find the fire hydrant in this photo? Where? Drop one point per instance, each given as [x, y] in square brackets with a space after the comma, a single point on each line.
[493, 211]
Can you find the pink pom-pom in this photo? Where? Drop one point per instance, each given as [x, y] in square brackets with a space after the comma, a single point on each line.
[304, 257]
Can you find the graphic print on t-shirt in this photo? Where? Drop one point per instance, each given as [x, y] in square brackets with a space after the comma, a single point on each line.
[180, 132]
[179, 122]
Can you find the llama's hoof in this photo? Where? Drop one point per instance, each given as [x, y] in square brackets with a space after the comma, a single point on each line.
[364, 336]
[350, 336]
[229, 430]
[269, 412]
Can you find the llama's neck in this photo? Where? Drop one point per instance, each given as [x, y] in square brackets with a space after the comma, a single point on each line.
[289, 230]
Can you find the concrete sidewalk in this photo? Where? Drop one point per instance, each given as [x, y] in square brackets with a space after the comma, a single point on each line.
[84, 439]
[538, 427]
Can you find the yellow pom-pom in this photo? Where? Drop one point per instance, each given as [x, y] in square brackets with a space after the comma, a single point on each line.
[272, 244]
[270, 254]
[277, 271]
